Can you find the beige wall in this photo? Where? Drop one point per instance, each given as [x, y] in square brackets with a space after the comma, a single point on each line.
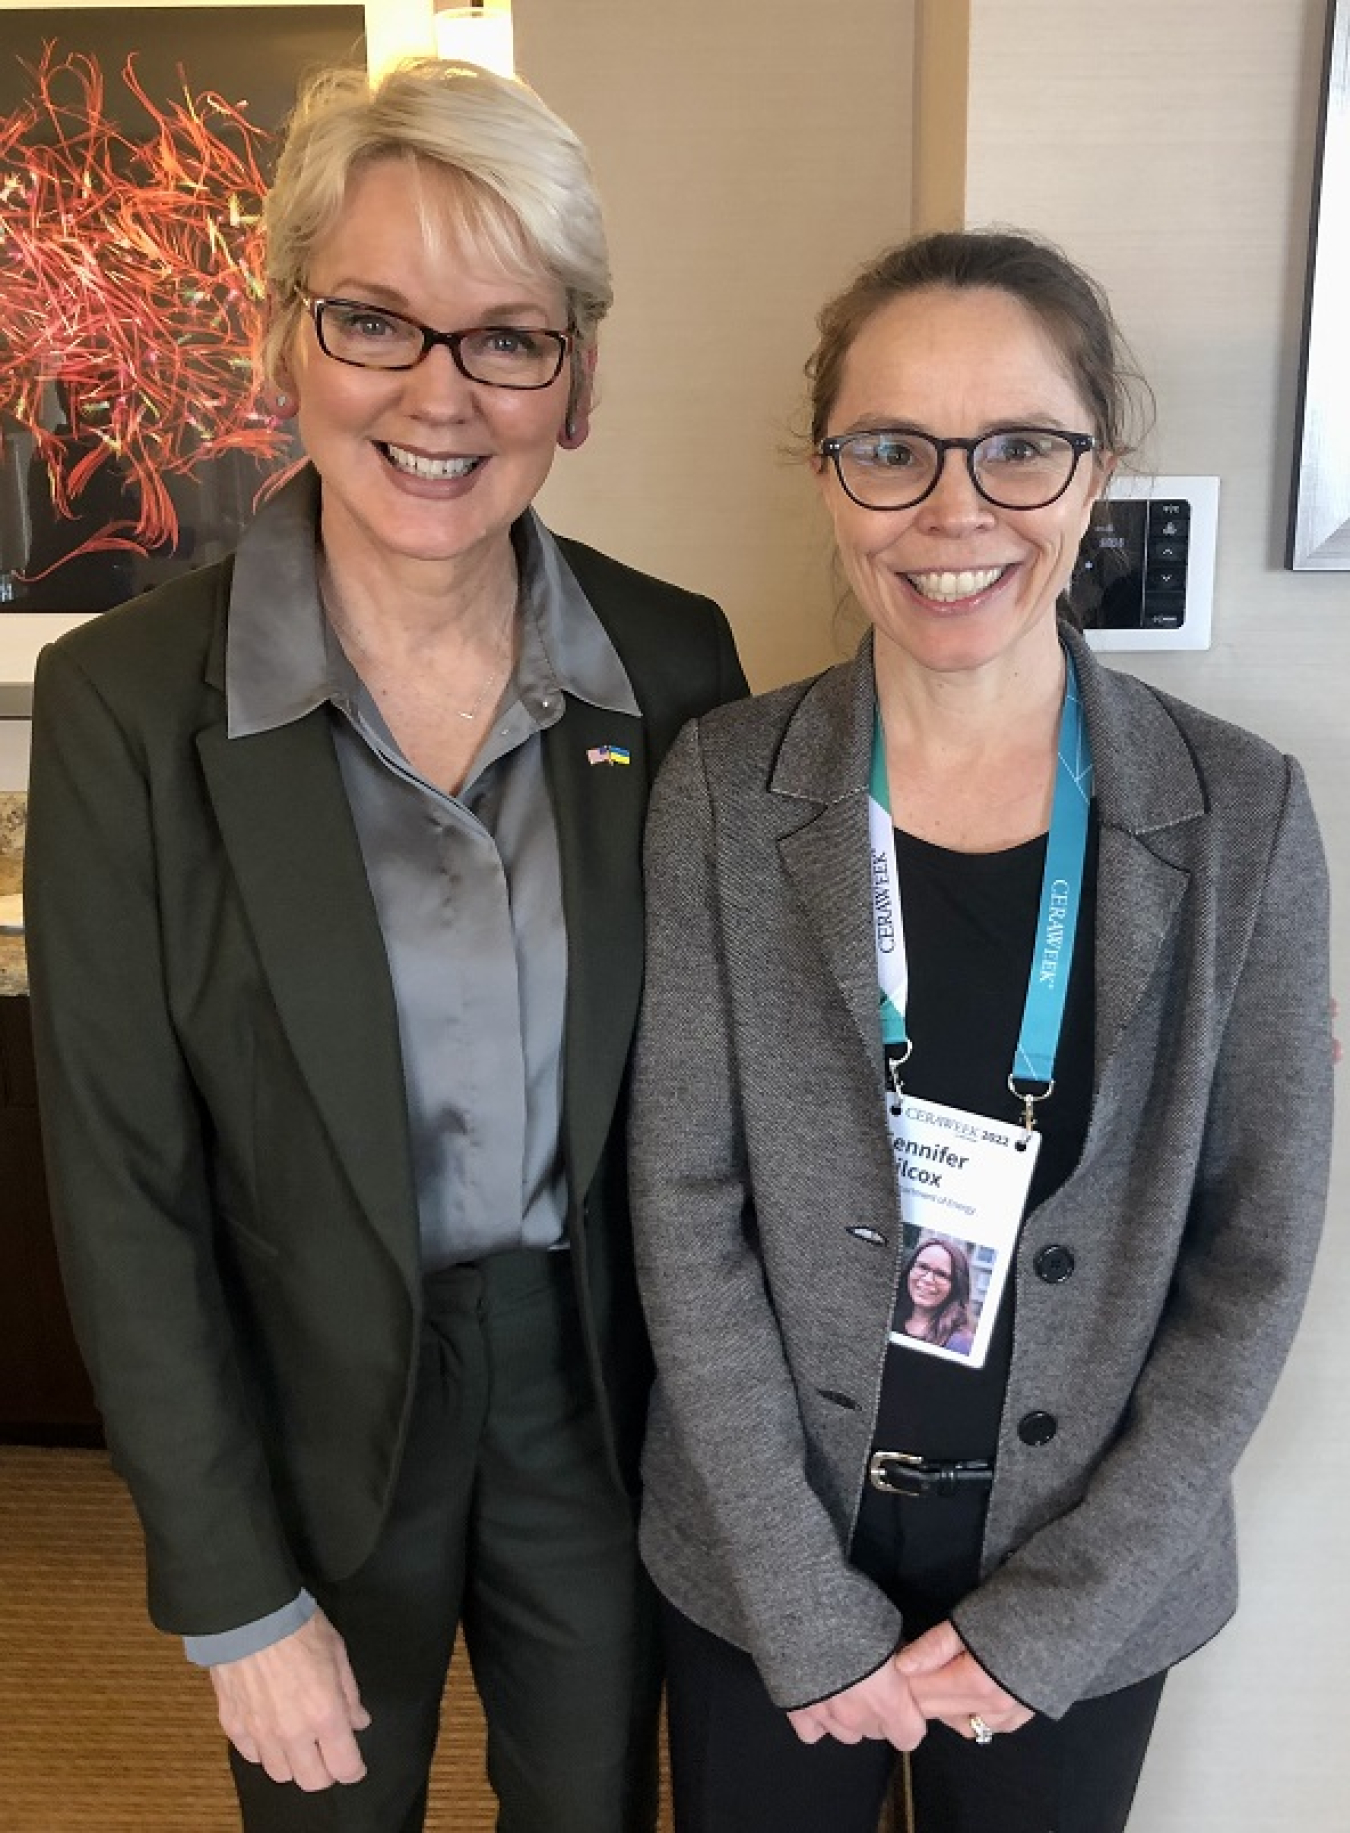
[1170, 148]
[750, 156]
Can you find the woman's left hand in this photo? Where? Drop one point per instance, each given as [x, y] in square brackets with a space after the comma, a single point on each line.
[948, 1683]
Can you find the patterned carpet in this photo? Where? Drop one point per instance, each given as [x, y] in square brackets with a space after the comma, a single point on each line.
[104, 1728]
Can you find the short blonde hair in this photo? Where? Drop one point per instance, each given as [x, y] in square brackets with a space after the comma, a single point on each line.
[523, 180]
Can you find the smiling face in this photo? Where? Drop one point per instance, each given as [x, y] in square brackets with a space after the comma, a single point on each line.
[930, 1278]
[955, 583]
[422, 465]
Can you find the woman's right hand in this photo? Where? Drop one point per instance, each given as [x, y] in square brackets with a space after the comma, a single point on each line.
[880, 1705]
[294, 1708]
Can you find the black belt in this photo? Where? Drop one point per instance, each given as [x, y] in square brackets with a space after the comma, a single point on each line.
[900, 1473]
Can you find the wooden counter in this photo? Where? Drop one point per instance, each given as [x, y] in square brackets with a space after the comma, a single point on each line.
[45, 1397]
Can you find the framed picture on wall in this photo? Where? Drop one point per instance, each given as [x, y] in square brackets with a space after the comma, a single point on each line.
[135, 147]
[1319, 521]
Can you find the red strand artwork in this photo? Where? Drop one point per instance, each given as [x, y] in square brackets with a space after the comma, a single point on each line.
[130, 282]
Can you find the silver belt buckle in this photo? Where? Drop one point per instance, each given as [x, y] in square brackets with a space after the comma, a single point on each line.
[898, 1473]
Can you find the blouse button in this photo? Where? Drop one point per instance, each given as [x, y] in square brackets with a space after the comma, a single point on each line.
[1054, 1264]
[1037, 1428]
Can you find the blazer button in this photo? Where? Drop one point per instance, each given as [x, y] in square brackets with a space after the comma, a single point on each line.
[1037, 1428]
[1054, 1264]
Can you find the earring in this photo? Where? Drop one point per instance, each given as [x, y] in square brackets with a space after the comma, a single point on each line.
[572, 432]
[283, 400]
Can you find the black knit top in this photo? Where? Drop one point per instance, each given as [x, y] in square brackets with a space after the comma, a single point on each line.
[970, 925]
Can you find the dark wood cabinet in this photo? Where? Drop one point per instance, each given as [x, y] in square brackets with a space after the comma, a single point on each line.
[45, 1395]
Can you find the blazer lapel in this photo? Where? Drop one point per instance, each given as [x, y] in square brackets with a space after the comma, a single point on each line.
[1138, 895]
[1147, 791]
[1147, 794]
[823, 766]
[827, 863]
[288, 832]
[599, 809]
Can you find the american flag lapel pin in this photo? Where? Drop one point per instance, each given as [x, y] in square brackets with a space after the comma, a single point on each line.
[609, 754]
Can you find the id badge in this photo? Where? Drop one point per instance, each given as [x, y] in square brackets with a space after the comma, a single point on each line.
[963, 1182]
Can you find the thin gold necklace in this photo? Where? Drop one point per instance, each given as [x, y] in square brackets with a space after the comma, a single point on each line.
[494, 675]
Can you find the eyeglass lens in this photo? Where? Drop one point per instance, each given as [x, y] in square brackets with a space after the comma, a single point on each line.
[1018, 469]
[505, 356]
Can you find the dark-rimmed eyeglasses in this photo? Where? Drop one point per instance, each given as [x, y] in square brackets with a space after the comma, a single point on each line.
[500, 356]
[1021, 467]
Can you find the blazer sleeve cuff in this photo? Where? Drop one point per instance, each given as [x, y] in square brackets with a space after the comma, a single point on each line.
[249, 1638]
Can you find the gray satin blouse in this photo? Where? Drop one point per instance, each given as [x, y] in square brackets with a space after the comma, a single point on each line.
[466, 886]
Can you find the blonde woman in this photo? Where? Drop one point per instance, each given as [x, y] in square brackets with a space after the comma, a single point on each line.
[336, 942]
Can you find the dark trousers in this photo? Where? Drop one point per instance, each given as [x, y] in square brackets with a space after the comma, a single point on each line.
[506, 1519]
[738, 1767]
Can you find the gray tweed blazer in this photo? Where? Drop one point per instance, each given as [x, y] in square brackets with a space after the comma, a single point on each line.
[759, 1138]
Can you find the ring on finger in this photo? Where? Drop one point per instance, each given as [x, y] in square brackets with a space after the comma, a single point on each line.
[982, 1733]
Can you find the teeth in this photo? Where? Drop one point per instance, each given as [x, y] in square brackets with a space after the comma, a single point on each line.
[947, 587]
[430, 467]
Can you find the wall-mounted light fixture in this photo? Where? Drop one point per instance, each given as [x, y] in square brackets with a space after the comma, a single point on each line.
[477, 34]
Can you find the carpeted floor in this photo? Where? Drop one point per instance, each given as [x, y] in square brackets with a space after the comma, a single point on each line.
[104, 1728]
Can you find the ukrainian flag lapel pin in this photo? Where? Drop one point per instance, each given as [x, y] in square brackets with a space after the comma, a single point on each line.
[609, 754]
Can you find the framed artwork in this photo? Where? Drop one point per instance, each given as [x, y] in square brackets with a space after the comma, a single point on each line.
[1319, 521]
[136, 144]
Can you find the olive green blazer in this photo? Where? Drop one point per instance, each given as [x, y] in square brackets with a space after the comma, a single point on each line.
[221, 1086]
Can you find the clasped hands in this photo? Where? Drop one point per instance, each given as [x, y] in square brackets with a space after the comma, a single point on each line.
[294, 1707]
[933, 1677]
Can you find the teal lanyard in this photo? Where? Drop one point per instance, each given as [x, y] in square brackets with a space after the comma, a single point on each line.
[1056, 924]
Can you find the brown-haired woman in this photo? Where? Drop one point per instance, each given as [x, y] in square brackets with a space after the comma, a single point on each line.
[972, 916]
[936, 1280]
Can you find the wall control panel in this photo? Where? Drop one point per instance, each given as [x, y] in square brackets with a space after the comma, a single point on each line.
[1144, 577]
